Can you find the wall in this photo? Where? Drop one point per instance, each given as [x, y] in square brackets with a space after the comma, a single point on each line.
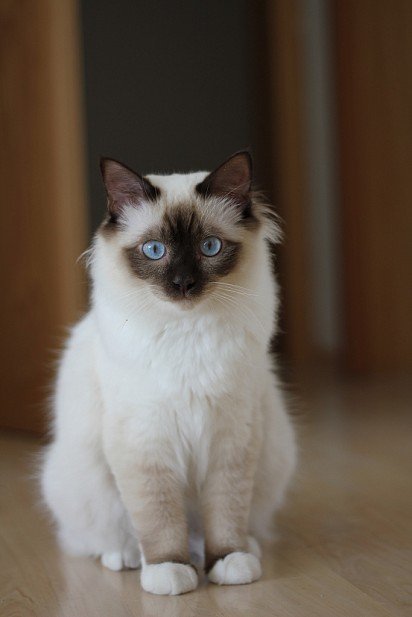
[169, 86]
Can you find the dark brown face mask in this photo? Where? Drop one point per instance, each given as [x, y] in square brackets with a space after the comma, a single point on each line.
[184, 271]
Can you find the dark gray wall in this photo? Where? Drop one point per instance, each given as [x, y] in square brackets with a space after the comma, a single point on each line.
[170, 86]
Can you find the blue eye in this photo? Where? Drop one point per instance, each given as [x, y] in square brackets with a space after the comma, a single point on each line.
[153, 249]
[211, 246]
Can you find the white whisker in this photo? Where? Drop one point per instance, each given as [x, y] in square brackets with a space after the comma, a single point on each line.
[234, 287]
[242, 308]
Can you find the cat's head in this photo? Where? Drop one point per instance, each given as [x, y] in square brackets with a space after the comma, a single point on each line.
[179, 235]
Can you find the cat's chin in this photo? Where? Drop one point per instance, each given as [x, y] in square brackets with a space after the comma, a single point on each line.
[185, 304]
[176, 303]
[180, 304]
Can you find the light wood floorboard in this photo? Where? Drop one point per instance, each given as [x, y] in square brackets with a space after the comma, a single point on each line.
[344, 546]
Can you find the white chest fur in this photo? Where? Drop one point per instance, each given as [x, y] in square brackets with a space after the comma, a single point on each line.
[179, 382]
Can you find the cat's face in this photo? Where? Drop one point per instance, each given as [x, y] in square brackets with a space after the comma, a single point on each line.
[182, 254]
[180, 234]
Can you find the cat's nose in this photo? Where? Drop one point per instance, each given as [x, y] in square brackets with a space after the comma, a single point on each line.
[184, 283]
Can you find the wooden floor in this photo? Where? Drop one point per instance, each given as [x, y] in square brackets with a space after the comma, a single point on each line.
[344, 545]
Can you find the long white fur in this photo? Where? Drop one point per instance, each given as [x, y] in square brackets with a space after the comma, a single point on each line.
[163, 378]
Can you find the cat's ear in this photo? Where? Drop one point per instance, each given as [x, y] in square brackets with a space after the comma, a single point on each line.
[123, 185]
[233, 178]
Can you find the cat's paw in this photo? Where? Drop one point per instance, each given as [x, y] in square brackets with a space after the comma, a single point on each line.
[168, 578]
[236, 569]
[121, 560]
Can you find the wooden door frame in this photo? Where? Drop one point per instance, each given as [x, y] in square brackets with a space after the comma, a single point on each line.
[43, 205]
[288, 136]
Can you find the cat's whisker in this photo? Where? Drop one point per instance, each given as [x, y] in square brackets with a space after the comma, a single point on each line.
[238, 293]
[87, 256]
[134, 293]
[135, 307]
[226, 302]
[231, 285]
[234, 286]
[137, 292]
[133, 299]
[241, 309]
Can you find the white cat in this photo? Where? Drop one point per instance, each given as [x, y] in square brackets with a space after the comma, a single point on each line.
[168, 420]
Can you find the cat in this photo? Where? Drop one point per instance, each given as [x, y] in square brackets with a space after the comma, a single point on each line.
[168, 420]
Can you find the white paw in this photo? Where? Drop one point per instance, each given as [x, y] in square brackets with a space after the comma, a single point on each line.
[168, 578]
[236, 569]
[117, 560]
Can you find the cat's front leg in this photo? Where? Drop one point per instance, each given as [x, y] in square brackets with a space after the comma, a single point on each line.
[231, 557]
[154, 497]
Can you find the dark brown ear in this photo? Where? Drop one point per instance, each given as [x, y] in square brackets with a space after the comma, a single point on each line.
[124, 185]
[233, 178]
